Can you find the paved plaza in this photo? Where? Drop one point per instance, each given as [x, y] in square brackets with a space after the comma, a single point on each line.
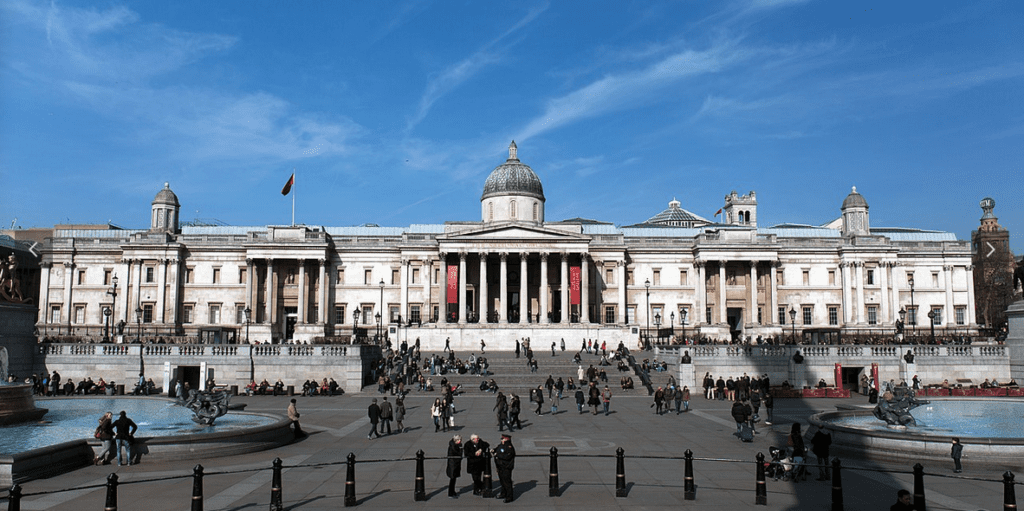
[338, 426]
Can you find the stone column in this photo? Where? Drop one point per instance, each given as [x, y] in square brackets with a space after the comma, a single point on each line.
[774, 306]
[175, 283]
[484, 305]
[269, 318]
[701, 301]
[249, 267]
[564, 291]
[753, 292]
[947, 279]
[723, 317]
[844, 268]
[860, 291]
[622, 291]
[69, 276]
[125, 288]
[970, 319]
[403, 290]
[321, 309]
[303, 299]
[462, 288]
[544, 288]
[443, 291]
[584, 289]
[136, 288]
[883, 280]
[161, 295]
[895, 291]
[426, 268]
[44, 293]
[503, 288]
[599, 291]
[524, 291]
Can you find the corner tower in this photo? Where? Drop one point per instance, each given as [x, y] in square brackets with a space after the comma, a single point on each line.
[855, 215]
[164, 215]
[512, 193]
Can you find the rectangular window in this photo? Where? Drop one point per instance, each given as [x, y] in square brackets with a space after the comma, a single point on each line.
[808, 315]
[657, 318]
[807, 277]
[214, 313]
[912, 316]
[871, 277]
[707, 315]
[683, 280]
[759, 316]
[935, 279]
[340, 276]
[189, 274]
[186, 313]
[910, 279]
[367, 277]
[656, 278]
[147, 313]
[631, 314]
[339, 315]
[393, 313]
[609, 314]
[149, 275]
[437, 277]
[937, 312]
[872, 314]
[79, 314]
[780, 277]
[782, 314]
[414, 314]
[55, 314]
[216, 275]
[415, 276]
[395, 278]
[833, 315]
[831, 277]
[629, 277]
[731, 277]
[368, 315]
[436, 313]
[289, 277]
[609, 276]
[106, 277]
[961, 315]
[242, 275]
[81, 277]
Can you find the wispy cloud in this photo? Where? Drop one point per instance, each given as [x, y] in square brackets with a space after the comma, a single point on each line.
[455, 75]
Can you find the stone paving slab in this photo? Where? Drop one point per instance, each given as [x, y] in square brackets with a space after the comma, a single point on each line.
[338, 426]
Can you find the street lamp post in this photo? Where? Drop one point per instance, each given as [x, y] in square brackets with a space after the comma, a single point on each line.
[672, 325]
[931, 323]
[106, 324]
[913, 310]
[138, 337]
[657, 328]
[113, 301]
[380, 325]
[355, 324]
[252, 362]
[379, 339]
[647, 313]
[792, 321]
[682, 320]
[902, 321]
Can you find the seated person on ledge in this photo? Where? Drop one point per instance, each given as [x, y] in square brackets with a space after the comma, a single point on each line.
[822, 384]
[1012, 383]
[786, 385]
[986, 384]
[945, 384]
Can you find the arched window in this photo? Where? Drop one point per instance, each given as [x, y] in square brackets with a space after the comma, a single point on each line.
[490, 211]
[747, 216]
[536, 211]
[512, 209]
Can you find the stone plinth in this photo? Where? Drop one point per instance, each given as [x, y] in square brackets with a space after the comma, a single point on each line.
[18, 405]
[1015, 339]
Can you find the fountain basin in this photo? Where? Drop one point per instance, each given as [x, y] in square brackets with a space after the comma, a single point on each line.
[990, 429]
[17, 404]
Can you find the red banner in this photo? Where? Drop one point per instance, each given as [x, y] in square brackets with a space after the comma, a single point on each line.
[453, 283]
[574, 285]
[874, 376]
[839, 376]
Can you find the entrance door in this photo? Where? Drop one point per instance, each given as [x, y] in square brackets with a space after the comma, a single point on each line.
[734, 315]
[190, 375]
[851, 378]
[291, 317]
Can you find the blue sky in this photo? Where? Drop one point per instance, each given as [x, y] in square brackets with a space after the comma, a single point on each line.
[395, 113]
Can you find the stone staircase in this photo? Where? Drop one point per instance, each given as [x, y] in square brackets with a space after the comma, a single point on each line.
[513, 374]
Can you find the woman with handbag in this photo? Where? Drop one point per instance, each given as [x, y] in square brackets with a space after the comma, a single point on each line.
[105, 433]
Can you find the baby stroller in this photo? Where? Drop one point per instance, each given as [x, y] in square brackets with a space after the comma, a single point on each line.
[774, 468]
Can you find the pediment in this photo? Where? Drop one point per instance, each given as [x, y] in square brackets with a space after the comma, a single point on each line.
[513, 232]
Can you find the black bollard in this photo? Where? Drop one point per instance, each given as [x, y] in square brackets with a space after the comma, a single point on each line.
[837, 486]
[488, 480]
[111, 493]
[919, 487]
[14, 497]
[688, 486]
[553, 476]
[350, 481]
[761, 489]
[1009, 498]
[276, 500]
[197, 488]
[620, 472]
[420, 493]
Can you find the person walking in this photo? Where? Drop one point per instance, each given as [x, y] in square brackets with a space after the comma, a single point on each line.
[820, 443]
[454, 468]
[515, 407]
[659, 400]
[580, 399]
[956, 453]
[501, 407]
[435, 413]
[400, 414]
[293, 415]
[606, 399]
[505, 461]
[476, 453]
[686, 398]
[105, 433]
[125, 429]
[769, 405]
[563, 343]
[387, 413]
[373, 412]
[538, 398]
[677, 396]
[594, 397]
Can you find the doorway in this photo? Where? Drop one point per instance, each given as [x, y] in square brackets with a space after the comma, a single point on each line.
[851, 378]
[190, 375]
[291, 317]
[734, 316]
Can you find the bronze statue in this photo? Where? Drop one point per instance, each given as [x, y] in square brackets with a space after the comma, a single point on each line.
[895, 405]
[206, 405]
[10, 285]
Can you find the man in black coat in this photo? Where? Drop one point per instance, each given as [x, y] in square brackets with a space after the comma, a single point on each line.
[505, 461]
[820, 443]
[373, 412]
[387, 413]
[476, 459]
[454, 469]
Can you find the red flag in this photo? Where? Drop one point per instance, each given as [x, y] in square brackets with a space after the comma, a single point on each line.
[453, 283]
[574, 285]
[288, 186]
[719, 211]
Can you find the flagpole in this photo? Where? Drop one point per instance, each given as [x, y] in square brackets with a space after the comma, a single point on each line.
[293, 196]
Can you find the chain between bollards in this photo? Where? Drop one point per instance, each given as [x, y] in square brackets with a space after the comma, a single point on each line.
[919, 504]
[837, 486]
[197, 488]
[688, 486]
[1009, 498]
[553, 474]
[276, 500]
[761, 489]
[420, 494]
[620, 472]
[350, 481]
[111, 504]
[14, 498]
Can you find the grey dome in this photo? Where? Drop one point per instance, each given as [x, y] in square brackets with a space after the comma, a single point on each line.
[677, 216]
[855, 200]
[166, 196]
[513, 178]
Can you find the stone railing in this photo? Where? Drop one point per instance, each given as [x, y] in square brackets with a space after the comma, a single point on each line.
[837, 352]
[203, 350]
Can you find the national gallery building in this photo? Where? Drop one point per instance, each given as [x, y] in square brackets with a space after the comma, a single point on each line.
[509, 275]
